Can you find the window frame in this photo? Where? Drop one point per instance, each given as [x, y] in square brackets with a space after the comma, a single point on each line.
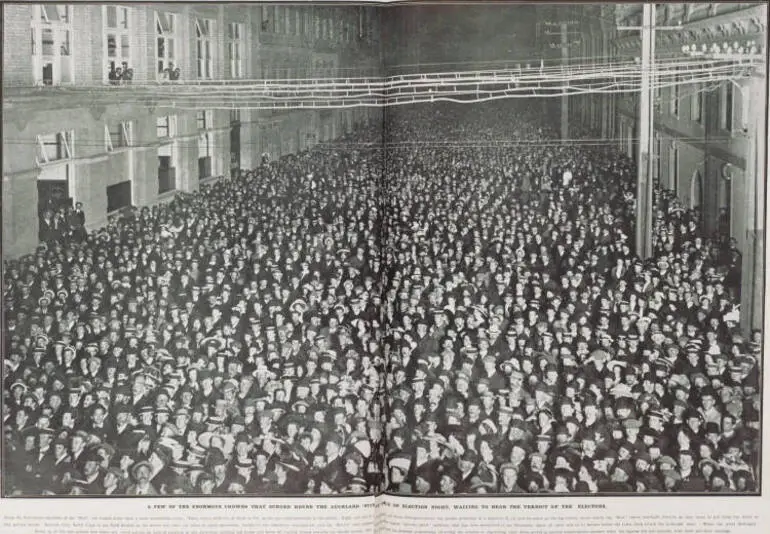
[122, 35]
[167, 35]
[63, 141]
[696, 104]
[235, 49]
[170, 126]
[673, 167]
[204, 119]
[172, 155]
[674, 103]
[727, 102]
[204, 53]
[51, 44]
[125, 136]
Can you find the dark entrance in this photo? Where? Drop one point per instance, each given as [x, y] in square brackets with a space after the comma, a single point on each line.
[52, 194]
[235, 148]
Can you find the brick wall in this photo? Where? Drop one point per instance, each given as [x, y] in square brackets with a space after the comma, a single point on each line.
[17, 62]
[87, 43]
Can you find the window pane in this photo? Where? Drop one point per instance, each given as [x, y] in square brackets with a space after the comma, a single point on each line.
[116, 136]
[47, 42]
[124, 46]
[50, 13]
[164, 23]
[161, 47]
[63, 13]
[34, 46]
[112, 17]
[112, 45]
[170, 45]
[124, 18]
[65, 43]
[202, 27]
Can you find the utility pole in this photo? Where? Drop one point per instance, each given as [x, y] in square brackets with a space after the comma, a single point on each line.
[644, 185]
[646, 160]
[564, 98]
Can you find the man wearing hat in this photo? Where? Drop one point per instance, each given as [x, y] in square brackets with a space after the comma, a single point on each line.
[141, 473]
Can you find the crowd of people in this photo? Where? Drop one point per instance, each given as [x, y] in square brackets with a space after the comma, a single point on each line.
[462, 312]
[530, 350]
[225, 343]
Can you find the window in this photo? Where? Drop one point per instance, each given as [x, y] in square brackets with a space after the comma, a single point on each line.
[204, 155]
[205, 119]
[48, 42]
[118, 196]
[166, 168]
[165, 27]
[54, 147]
[744, 106]
[673, 168]
[696, 103]
[675, 98]
[307, 27]
[361, 24]
[289, 23]
[118, 65]
[726, 118]
[51, 50]
[51, 14]
[279, 20]
[268, 18]
[234, 47]
[235, 116]
[117, 135]
[657, 157]
[203, 34]
[166, 126]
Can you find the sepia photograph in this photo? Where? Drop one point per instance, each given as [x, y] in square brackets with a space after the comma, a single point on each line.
[414, 248]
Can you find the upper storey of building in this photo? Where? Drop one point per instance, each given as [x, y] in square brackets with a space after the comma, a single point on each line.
[50, 45]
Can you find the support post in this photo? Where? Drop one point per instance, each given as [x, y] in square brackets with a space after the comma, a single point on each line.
[644, 184]
[564, 98]
[752, 209]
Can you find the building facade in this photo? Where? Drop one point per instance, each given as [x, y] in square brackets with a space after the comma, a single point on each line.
[709, 139]
[58, 146]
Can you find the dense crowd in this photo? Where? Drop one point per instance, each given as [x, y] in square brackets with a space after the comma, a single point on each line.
[465, 314]
[225, 343]
[529, 349]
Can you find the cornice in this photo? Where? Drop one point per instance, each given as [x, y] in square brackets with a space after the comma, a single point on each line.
[745, 24]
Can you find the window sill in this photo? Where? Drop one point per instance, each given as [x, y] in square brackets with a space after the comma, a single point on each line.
[167, 196]
[209, 180]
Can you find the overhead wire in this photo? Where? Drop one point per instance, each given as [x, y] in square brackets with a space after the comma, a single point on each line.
[624, 82]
